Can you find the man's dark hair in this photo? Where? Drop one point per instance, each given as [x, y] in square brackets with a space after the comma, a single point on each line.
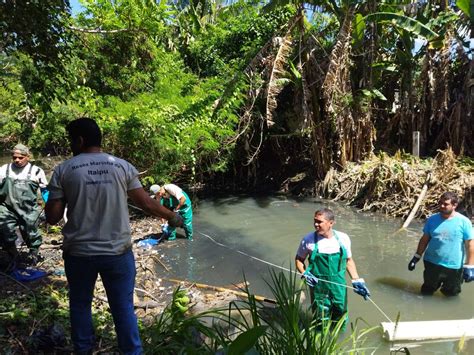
[86, 128]
[450, 196]
[327, 213]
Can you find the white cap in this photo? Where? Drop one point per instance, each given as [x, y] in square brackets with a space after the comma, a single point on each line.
[154, 189]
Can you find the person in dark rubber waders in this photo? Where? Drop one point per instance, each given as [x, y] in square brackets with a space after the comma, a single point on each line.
[20, 182]
[329, 257]
[94, 187]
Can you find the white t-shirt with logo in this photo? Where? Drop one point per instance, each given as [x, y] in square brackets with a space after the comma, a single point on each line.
[94, 187]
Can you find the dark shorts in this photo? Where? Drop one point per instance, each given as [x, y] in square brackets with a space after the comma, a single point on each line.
[436, 276]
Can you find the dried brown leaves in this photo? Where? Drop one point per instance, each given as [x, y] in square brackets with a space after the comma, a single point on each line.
[392, 184]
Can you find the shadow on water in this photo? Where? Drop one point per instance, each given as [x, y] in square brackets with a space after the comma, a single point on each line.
[261, 201]
[412, 287]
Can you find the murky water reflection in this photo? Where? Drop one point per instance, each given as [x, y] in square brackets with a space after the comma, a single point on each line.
[271, 228]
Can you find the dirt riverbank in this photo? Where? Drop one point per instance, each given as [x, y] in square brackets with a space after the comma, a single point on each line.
[34, 315]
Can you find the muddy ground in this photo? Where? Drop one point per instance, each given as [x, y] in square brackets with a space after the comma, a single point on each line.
[152, 293]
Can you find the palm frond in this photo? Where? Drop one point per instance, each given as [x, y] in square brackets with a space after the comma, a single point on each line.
[337, 74]
[274, 85]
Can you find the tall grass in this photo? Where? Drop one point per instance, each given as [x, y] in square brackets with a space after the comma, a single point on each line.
[250, 327]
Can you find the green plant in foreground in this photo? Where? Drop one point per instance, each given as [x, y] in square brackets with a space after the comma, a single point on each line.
[175, 332]
[250, 327]
[244, 327]
[290, 327]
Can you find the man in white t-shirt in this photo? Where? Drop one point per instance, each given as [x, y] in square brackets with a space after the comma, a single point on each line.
[19, 208]
[329, 256]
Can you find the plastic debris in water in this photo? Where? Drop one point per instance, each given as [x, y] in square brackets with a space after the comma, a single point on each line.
[148, 243]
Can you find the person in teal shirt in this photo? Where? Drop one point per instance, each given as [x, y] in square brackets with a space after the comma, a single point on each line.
[175, 199]
[448, 244]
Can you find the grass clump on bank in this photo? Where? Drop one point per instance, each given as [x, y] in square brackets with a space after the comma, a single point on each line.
[251, 327]
[34, 318]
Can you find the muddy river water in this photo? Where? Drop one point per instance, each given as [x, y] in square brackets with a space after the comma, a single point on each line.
[242, 235]
[259, 231]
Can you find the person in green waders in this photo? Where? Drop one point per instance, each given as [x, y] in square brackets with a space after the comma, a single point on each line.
[329, 257]
[174, 198]
[19, 208]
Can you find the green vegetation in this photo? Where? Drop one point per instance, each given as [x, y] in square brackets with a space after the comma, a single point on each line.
[192, 90]
[249, 93]
[38, 321]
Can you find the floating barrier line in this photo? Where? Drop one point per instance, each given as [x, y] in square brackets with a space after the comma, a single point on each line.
[379, 309]
[286, 269]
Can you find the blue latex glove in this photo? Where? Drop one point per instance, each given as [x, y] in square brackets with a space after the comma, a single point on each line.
[309, 278]
[164, 230]
[44, 194]
[360, 288]
[413, 261]
[468, 273]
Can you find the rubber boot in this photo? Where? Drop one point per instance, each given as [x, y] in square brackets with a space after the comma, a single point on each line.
[13, 255]
[34, 257]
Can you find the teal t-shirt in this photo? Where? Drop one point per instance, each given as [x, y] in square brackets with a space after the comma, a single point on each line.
[447, 236]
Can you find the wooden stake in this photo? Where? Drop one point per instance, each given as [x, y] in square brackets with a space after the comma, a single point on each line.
[420, 198]
[156, 258]
[223, 289]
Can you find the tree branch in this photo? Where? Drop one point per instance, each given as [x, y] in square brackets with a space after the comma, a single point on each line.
[98, 30]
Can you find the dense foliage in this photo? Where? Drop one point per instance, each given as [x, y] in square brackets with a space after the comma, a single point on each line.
[185, 89]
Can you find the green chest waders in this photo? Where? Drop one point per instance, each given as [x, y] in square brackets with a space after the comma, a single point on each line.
[20, 209]
[186, 212]
[329, 301]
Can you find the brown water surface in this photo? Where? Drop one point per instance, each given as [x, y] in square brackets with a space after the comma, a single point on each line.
[270, 229]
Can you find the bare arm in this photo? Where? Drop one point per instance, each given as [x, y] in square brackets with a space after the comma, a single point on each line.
[422, 244]
[469, 251]
[151, 206]
[352, 269]
[182, 201]
[300, 266]
[54, 210]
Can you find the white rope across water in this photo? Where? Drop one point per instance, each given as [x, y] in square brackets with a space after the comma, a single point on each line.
[286, 269]
[278, 266]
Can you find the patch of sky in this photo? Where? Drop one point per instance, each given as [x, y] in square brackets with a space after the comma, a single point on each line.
[76, 7]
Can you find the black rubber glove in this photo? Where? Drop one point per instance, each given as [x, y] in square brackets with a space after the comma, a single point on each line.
[468, 273]
[176, 221]
[413, 261]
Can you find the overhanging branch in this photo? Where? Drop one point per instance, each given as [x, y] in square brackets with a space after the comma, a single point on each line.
[100, 31]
